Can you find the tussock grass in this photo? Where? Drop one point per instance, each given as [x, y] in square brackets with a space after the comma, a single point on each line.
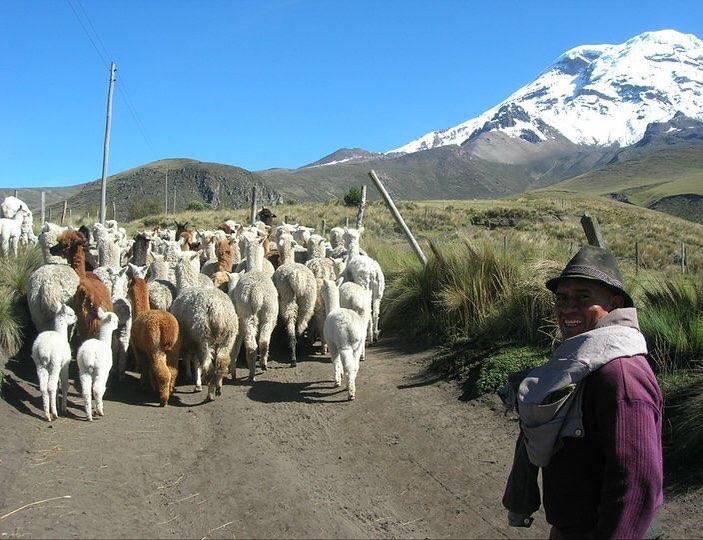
[672, 321]
[14, 313]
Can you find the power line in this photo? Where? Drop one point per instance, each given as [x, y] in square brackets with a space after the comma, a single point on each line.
[100, 54]
[121, 88]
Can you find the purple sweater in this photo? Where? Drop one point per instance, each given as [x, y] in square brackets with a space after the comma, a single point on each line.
[611, 479]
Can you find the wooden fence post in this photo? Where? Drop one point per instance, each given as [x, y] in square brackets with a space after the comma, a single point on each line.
[398, 218]
[323, 227]
[63, 214]
[43, 207]
[253, 206]
[362, 207]
[590, 227]
[683, 258]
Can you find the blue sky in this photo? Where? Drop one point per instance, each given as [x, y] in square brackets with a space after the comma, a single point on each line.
[273, 83]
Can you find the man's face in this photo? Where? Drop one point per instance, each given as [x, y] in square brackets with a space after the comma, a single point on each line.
[580, 303]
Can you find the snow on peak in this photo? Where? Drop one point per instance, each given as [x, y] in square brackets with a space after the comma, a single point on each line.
[596, 95]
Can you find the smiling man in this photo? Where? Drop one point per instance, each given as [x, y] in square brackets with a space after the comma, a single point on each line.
[590, 417]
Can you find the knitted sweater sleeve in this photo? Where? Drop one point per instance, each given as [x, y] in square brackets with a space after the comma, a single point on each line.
[629, 432]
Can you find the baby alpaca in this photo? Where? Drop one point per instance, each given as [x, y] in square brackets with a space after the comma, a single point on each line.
[51, 353]
[94, 359]
[345, 333]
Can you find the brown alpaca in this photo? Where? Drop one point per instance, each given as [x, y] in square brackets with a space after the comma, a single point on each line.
[225, 261]
[154, 340]
[91, 293]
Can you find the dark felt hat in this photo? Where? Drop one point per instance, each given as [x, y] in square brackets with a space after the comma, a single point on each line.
[597, 264]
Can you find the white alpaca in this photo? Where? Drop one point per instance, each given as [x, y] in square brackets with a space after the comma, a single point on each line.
[297, 293]
[345, 333]
[109, 251]
[94, 360]
[353, 296]
[10, 233]
[365, 271]
[11, 205]
[51, 353]
[256, 301]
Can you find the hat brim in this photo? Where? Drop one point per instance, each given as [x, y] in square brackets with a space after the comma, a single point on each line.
[553, 283]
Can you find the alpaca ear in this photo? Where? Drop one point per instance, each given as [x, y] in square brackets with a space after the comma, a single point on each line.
[101, 313]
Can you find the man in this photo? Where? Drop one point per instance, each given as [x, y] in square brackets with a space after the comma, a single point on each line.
[590, 417]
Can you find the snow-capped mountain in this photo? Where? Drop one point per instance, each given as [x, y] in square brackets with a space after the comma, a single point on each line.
[593, 95]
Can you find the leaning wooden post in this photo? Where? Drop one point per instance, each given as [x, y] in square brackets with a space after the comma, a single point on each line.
[43, 207]
[683, 258]
[362, 207]
[63, 214]
[323, 227]
[590, 227]
[399, 219]
[114, 211]
[252, 217]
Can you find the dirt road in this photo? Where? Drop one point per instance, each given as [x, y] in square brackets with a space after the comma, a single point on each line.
[287, 457]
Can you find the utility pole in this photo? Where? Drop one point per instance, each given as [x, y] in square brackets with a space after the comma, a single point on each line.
[106, 149]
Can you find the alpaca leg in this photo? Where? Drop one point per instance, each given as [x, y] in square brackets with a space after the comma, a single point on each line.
[250, 348]
[234, 355]
[162, 377]
[351, 382]
[99, 387]
[375, 314]
[43, 376]
[352, 369]
[172, 362]
[86, 384]
[198, 375]
[292, 341]
[121, 362]
[53, 390]
[337, 364]
[221, 368]
[63, 375]
[203, 366]
[189, 366]
[141, 363]
[265, 342]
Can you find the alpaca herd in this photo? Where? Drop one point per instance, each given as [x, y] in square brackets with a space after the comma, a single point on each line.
[190, 299]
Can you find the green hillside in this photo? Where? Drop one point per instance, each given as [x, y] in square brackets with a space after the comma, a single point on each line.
[645, 179]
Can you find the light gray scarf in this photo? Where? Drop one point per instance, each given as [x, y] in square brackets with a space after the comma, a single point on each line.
[549, 397]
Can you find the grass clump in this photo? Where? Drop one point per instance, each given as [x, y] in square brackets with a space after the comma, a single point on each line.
[672, 320]
[14, 312]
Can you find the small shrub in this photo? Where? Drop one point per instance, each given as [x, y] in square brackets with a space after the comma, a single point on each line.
[494, 371]
[198, 206]
[353, 196]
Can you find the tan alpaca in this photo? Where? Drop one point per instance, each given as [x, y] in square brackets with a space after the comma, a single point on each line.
[155, 339]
